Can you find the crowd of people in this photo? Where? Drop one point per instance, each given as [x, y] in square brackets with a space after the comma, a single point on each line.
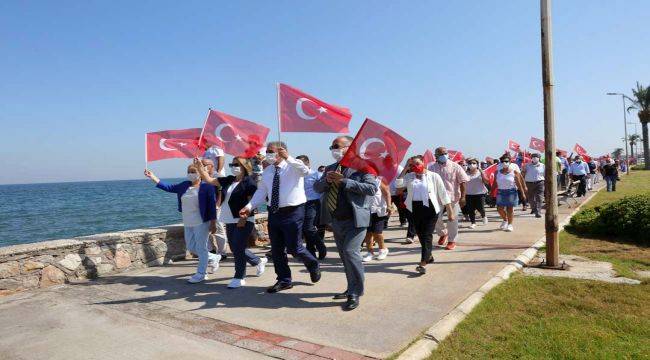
[219, 209]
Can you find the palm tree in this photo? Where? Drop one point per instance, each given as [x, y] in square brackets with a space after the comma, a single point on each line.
[633, 140]
[616, 154]
[641, 102]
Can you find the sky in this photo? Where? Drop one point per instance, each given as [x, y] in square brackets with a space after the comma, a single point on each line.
[81, 82]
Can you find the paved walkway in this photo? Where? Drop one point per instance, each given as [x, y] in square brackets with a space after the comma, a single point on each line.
[154, 314]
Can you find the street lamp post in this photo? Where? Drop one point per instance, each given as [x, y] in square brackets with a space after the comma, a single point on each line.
[627, 156]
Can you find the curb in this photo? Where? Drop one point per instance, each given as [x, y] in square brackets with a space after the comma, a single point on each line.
[423, 348]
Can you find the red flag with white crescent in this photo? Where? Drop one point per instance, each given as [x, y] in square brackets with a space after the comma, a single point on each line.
[301, 112]
[537, 144]
[514, 146]
[376, 150]
[171, 144]
[455, 155]
[491, 175]
[237, 137]
[579, 150]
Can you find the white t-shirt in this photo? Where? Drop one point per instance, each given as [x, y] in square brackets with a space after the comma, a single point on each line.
[225, 216]
[420, 191]
[190, 204]
[213, 154]
[378, 204]
[507, 181]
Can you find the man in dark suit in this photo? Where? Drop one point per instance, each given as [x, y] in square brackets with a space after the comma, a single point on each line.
[345, 206]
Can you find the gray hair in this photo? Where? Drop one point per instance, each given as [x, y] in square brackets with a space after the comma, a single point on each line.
[277, 144]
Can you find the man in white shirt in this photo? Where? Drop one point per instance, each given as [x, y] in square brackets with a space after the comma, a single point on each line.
[282, 182]
[579, 170]
[534, 177]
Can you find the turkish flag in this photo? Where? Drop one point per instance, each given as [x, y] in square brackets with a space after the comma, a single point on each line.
[237, 137]
[579, 150]
[171, 144]
[428, 158]
[376, 150]
[513, 146]
[301, 112]
[537, 144]
[455, 155]
[491, 174]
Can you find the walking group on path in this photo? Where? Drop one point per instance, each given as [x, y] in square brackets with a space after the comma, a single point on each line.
[355, 205]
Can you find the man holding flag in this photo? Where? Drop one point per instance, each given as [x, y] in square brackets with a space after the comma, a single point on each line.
[344, 206]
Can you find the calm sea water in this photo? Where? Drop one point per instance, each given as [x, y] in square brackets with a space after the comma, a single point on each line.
[39, 212]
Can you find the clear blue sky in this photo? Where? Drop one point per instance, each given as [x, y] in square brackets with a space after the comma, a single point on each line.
[82, 81]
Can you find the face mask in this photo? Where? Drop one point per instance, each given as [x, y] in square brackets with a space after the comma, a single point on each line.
[472, 166]
[505, 165]
[442, 158]
[193, 177]
[337, 154]
[418, 168]
[235, 170]
[535, 161]
[271, 158]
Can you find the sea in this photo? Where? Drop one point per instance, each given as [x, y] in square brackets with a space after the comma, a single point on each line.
[39, 212]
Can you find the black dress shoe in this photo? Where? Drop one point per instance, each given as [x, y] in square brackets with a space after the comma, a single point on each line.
[315, 275]
[430, 261]
[279, 286]
[341, 296]
[352, 303]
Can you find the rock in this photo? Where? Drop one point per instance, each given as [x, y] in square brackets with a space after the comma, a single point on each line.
[122, 259]
[30, 265]
[30, 282]
[9, 269]
[10, 284]
[157, 262]
[71, 262]
[51, 275]
[103, 269]
[93, 250]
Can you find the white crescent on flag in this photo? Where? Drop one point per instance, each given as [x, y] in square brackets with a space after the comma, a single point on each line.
[162, 145]
[300, 111]
[364, 147]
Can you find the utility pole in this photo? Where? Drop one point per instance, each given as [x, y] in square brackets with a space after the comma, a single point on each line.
[627, 156]
[550, 182]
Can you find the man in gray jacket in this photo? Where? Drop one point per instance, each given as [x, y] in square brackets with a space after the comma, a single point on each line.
[345, 205]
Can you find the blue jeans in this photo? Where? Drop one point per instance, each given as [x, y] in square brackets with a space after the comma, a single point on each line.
[238, 240]
[611, 182]
[285, 232]
[196, 242]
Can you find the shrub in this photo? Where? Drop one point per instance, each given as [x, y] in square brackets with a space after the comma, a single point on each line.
[627, 218]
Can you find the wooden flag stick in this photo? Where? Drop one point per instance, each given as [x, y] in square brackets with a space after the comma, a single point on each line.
[277, 85]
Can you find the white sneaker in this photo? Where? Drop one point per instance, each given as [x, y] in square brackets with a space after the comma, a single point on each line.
[382, 254]
[485, 220]
[472, 226]
[236, 283]
[367, 257]
[408, 241]
[261, 267]
[504, 225]
[197, 278]
[213, 263]
[509, 228]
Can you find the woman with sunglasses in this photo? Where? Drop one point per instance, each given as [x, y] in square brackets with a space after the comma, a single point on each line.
[509, 183]
[197, 203]
[237, 189]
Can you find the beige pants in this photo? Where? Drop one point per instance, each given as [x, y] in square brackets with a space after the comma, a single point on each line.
[449, 228]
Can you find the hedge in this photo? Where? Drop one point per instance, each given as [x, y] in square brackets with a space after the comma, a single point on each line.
[627, 218]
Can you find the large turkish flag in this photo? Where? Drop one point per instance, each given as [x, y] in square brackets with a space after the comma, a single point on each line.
[491, 174]
[377, 150]
[237, 137]
[171, 144]
[537, 144]
[514, 146]
[301, 112]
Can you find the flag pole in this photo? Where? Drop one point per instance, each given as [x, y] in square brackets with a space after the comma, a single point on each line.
[198, 146]
[277, 86]
[146, 160]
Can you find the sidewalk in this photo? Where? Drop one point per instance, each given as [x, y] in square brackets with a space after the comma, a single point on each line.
[153, 313]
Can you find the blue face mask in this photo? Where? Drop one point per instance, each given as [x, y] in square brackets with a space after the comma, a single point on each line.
[443, 158]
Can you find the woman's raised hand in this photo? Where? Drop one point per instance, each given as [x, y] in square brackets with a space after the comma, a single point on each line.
[148, 173]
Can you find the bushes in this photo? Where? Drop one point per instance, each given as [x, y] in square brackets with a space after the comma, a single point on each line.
[627, 218]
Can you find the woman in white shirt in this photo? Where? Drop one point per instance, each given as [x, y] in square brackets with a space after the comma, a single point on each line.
[380, 210]
[508, 179]
[236, 192]
[475, 191]
[426, 195]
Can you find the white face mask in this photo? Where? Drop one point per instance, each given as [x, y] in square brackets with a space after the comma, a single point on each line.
[193, 177]
[505, 165]
[535, 160]
[271, 158]
[235, 170]
[472, 166]
[337, 154]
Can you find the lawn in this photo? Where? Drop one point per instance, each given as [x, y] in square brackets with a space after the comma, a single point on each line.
[555, 318]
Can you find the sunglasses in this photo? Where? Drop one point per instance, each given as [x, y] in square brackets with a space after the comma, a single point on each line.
[234, 165]
[336, 146]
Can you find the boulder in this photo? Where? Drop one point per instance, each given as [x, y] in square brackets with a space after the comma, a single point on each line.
[51, 275]
[31, 265]
[71, 262]
[122, 259]
[9, 269]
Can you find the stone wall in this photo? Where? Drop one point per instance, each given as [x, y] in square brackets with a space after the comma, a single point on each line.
[47, 263]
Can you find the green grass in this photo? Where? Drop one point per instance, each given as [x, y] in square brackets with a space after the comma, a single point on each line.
[554, 318]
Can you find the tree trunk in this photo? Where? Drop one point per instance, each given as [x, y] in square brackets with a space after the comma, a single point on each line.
[646, 148]
[632, 150]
